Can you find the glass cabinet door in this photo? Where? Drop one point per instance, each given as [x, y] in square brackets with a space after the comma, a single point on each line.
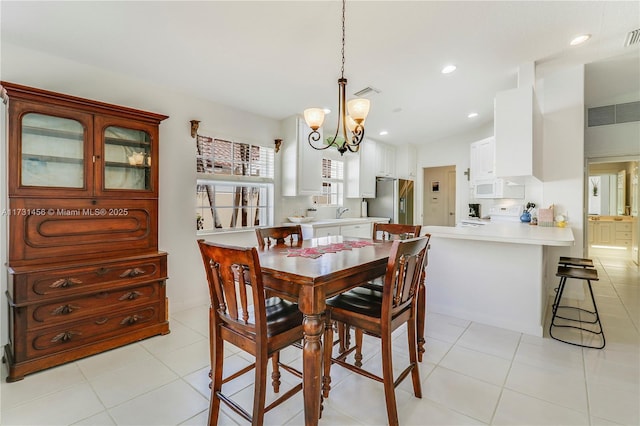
[52, 150]
[127, 159]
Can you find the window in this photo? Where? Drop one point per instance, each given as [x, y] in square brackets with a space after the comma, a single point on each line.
[332, 183]
[235, 185]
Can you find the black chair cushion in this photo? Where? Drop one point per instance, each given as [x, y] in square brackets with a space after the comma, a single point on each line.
[362, 300]
[282, 315]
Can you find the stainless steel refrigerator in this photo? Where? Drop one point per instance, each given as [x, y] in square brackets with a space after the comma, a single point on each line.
[394, 199]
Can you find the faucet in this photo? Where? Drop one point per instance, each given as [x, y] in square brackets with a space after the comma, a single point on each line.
[340, 211]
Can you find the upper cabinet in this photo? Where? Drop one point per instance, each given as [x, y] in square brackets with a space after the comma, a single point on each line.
[59, 147]
[518, 134]
[385, 164]
[301, 164]
[406, 165]
[482, 159]
[361, 178]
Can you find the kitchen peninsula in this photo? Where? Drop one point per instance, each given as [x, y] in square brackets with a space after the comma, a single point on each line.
[493, 274]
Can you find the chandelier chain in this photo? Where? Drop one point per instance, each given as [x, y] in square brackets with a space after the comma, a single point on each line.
[343, 31]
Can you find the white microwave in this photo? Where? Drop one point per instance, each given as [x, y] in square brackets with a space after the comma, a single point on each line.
[497, 188]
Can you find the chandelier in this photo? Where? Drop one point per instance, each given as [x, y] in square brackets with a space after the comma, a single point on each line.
[354, 121]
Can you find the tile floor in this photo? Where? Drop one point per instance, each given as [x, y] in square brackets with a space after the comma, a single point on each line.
[472, 374]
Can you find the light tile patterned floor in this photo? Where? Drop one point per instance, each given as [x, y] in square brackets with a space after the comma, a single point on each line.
[472, 374]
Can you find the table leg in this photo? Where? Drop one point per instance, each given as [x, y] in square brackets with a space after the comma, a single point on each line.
[313, 325]
[420, 318]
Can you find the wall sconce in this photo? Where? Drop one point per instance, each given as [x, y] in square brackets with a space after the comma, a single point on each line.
[194, 128]
[278, 142]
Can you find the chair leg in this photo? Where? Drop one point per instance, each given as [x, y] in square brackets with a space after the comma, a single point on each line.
[217, 358]
[341, 337]
[260, 393]
[358, 355]
[328, 349]
[413, 358]
[275, 375]
[387, 375]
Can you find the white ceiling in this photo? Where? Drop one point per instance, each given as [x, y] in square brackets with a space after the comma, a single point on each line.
[278, 58]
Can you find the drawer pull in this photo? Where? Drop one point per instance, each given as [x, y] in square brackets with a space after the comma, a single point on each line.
[64, 310]
[65, 336]
[65, 283]
[132, 295]
[132, 273]
[101, 321]
[103, 271]
[130, 320]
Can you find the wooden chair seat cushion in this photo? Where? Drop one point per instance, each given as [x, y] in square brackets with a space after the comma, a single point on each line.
[362, 300]
[282, 315]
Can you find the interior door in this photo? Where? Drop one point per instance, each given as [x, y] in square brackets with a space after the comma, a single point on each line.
[439, 196]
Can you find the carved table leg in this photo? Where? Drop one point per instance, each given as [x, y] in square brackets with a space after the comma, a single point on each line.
[420, 317]
[313, 326]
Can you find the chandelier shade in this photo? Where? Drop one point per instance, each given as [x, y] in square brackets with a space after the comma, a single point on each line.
[351, 115]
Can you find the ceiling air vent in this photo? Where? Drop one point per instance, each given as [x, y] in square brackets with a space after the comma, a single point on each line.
[632, 38]
[613, 114]
[367, 91]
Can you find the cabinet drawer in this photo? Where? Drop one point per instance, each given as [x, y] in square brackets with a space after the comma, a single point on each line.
[622, 235]
[66, 282]
[90, 330]
[623, 227]
[54, 228]
[82, 307]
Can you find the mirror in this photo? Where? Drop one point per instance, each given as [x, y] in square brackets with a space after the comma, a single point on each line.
[611, 189]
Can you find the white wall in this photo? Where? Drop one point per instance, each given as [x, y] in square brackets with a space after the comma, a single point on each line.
[562, 105]
[450, 151]
[186, 286]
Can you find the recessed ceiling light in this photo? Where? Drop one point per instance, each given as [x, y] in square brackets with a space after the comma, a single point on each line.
[383, 133]
[472, 115]
[448, 69]
[580, 39]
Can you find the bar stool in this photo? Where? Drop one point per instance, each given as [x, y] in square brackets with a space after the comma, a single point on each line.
[588, 275]
[575, 261]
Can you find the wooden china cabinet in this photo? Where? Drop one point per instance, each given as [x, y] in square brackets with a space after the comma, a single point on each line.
[84, 271]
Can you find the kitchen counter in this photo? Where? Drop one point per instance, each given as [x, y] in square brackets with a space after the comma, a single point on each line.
[496, 274]
[593, 218]
[349, 226]
[339, 222]
[519, 233]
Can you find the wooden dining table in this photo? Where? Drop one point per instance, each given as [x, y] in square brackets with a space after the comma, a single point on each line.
[310, 281]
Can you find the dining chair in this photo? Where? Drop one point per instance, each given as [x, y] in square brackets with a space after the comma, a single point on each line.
[261, 329]
[391, 231]
[379, 313]
[381, 232]
[278, 235]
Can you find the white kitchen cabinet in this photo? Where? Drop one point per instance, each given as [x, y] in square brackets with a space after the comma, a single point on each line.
[482, 159]
[326, 231]
[361, 230]
[406, 166]
[518, 134]
[361, 178]
[385, 165]
[301, 164]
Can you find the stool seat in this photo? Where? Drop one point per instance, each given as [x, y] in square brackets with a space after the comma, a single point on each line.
[577, 273]
[575, 261]
[584, 274]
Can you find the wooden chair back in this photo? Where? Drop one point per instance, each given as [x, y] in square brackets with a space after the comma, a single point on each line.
[405, 270]
[391, 231]
[279, 235]
[235, 283]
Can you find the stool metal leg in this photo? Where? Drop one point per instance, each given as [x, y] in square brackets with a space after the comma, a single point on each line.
[556, 305]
